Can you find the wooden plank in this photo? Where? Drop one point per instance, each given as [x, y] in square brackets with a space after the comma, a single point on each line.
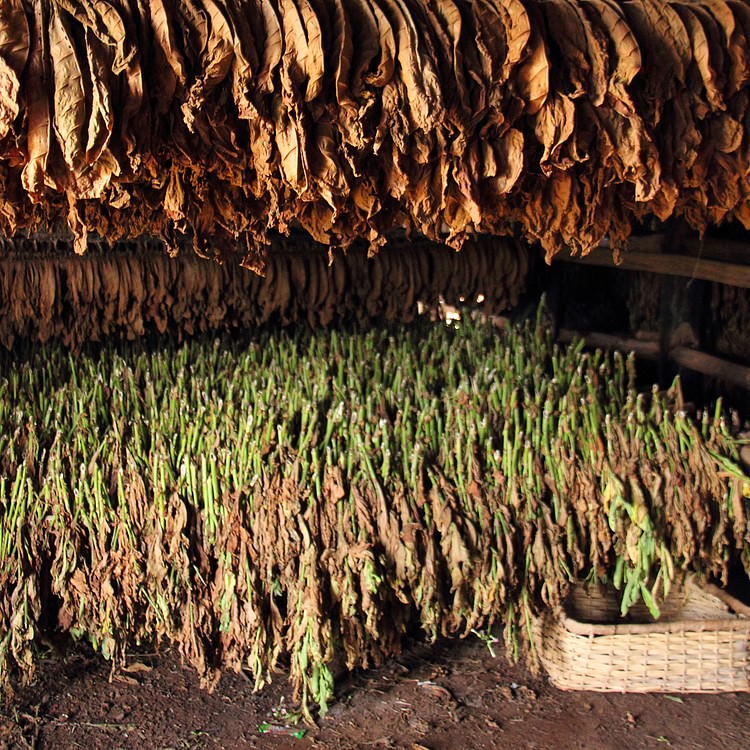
[644, 349]
[711, 248]
[732, 274]
[714, 367]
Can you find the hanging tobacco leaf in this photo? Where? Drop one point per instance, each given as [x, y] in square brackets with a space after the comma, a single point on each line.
[352, 119]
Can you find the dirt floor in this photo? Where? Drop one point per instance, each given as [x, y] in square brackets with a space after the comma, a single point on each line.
[453, 694]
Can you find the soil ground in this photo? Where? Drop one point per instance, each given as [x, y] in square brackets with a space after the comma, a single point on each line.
[452, 694]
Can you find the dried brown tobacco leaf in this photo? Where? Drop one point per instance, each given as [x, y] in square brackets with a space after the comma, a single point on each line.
[738, 43]
[490, 37]
[273, 47]
[342, 51]
[597, 44]
[313, 20]
[299, 65]
[215, 43]
[702, 52]
[9, 90]
[246, 29]
[39, 130]
[717, 21]
[517, 32]
[195, 31]
[159, 14]
[424, 99]
[133, 113]
[503, 163]
[555, 124]
[533, 75]
[69, 95]
[354, 45]
[446, 25]
[370, 48]
[14, 52]
[625, 59]
[566, 31]
[101, 117]
[103, 19]
[665, 39]
[290, 150]
[99, 164]
[15, 42]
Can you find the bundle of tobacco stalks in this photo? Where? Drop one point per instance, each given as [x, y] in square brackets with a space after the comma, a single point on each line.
[125, 292]
[227, 119]
[316, 496]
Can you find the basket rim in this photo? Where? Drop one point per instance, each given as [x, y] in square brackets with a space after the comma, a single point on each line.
[676, 626]
[739, 622]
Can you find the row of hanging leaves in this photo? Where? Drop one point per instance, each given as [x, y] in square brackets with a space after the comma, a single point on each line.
[134, 288]
[227, 119]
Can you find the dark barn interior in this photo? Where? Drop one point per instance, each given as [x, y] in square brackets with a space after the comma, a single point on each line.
[330, 329]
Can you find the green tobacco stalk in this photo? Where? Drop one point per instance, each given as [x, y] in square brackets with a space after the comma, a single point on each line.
[316, 495]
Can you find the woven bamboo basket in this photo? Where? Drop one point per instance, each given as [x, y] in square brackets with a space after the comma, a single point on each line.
[698, 645]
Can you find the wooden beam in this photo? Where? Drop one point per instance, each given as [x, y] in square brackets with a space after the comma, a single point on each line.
[731, 251]
[714, 367]
[732, 274]
[644, 349]
[710, 248]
